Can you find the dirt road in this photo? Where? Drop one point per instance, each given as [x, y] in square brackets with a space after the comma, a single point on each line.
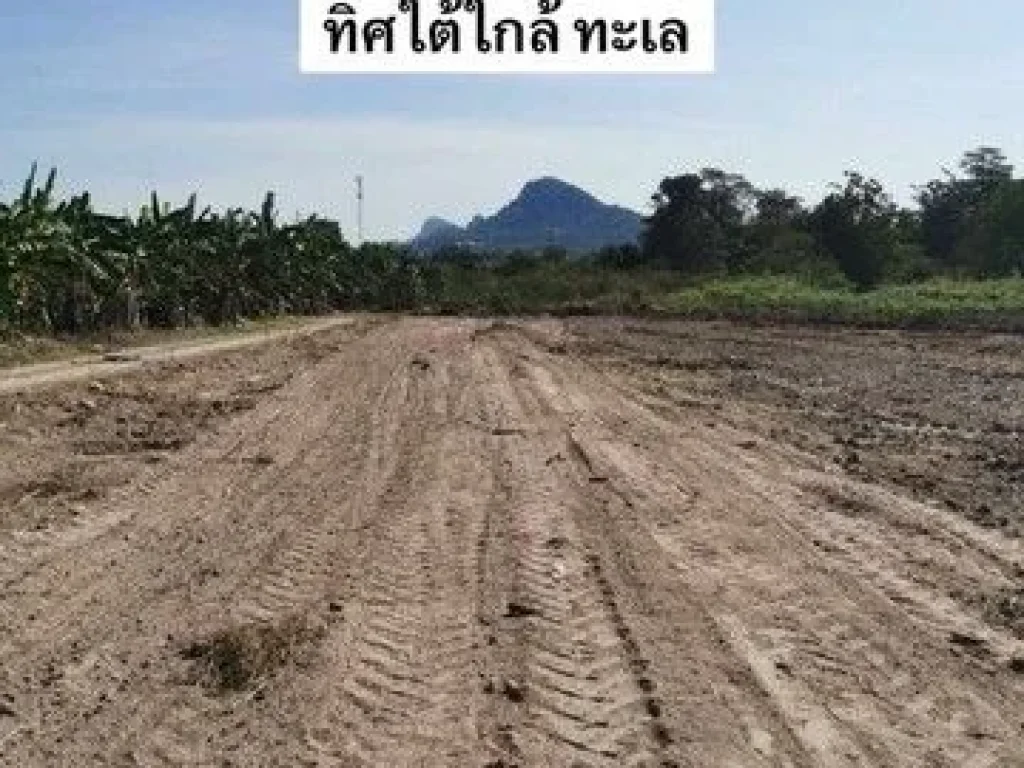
[453, 543]
[25, 377]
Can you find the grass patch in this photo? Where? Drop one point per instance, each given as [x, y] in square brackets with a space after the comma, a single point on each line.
[997, 304]
[240, 658]
[546, 288]
[566, 288]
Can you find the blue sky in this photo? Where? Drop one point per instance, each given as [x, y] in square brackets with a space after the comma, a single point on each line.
[126, 96]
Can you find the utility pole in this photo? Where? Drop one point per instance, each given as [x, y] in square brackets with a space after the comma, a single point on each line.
[359, 207]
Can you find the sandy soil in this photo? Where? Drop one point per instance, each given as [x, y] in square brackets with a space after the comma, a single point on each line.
[444, 543]
[117, 362]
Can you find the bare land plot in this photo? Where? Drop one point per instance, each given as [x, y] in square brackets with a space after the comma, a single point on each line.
[428, 542]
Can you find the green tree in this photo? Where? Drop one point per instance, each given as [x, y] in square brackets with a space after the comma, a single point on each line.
[986, 168]
[698, 221]
[777, 237]
[995, 245]
[949, 206]
[856, 226]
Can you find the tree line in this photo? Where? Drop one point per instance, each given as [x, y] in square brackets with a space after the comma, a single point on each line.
[67, 268]
[967, 223]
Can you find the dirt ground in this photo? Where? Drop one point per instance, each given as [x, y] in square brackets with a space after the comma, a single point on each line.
[570, 543]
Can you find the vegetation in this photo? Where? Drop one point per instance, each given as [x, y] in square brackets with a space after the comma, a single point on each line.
[66, 268]
[932, 303]
[969, 225]
[244, 657]
[714, 244]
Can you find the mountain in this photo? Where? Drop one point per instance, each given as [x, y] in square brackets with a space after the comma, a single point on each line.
[547, 212]
[440, 229]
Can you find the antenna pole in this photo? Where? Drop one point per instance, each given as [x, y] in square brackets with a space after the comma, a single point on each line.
[359, 206]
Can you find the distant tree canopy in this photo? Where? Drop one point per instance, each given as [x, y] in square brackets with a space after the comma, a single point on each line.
[65, 267]
[715, 221]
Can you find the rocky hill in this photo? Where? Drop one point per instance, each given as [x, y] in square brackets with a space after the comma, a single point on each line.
[547, 212]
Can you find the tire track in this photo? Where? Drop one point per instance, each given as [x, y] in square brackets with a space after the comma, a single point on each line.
[300, 570]
[587, 689]
[401, 696]
[24, 554]
[899, 705]
[299, 575]
[402, 662]
[588, 697]
[513, 562]
[24, 558]
[116, 540]
[301, 559]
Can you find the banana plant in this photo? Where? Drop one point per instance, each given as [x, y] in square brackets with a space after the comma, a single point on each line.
[64, 266]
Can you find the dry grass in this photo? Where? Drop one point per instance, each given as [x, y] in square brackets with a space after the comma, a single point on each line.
[242, 657]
